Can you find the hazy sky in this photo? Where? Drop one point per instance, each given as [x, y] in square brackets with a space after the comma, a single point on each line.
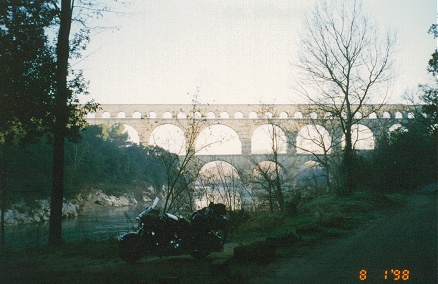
[233, 51]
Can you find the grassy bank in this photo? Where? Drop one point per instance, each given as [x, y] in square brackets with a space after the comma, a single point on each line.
[319, 219]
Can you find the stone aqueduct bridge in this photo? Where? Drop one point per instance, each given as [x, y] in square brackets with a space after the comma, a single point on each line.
[243, 120]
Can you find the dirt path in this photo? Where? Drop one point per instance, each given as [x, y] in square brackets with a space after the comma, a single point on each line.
[405, 241]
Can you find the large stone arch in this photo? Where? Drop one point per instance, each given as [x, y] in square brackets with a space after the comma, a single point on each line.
[169, 137]
[397, 127]
[312, 179]
[218, 139]
[362, 137]
[218, 170]
[313, 139]
[268, 167]
[268, 138]
[265, 184]
[218, 182]
[133, 134]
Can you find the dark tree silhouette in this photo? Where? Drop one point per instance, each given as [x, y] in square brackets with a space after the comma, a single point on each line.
[68, 116]
[26, 80]
[343, 62]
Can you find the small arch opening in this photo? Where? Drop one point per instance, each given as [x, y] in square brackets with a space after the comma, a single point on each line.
[167, 115]
[211, 115]
[182, 115]
[238, 115]
[372, 115]
[197, 115]
[283, 115]
[358, 115]
[225, 115]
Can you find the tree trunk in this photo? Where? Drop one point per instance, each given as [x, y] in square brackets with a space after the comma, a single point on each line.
[61, 118]
[4, 180]
[278, 189]
[348, 166]
[55, 224]
[271, 205]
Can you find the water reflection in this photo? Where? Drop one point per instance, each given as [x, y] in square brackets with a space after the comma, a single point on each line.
[96, 223]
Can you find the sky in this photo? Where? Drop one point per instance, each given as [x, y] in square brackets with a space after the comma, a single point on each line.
[230, 51]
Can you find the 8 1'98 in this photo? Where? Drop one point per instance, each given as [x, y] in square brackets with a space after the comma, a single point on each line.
[393, 274]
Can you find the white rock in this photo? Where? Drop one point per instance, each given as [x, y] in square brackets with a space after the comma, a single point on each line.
[69, 209]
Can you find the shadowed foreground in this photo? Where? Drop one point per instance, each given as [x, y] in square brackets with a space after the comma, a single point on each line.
[405, 241]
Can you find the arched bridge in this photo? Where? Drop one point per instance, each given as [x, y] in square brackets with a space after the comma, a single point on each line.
[232, 133]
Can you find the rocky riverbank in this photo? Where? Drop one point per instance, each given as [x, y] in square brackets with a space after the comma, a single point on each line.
[39, 211]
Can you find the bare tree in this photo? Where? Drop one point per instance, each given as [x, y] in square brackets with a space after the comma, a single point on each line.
[344, 64]
[322, 140]
[182, 168]
[272, 175]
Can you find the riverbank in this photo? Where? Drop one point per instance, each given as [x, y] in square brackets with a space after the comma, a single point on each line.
[23, 213]
[96, 261]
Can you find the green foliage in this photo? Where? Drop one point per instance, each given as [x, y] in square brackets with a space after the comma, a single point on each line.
[326, 216]
[115, 133]
[430, 93]
[27, 67]
[262, 222]
[94, 161]
[405, 159]
[30, 170]
[103, 156]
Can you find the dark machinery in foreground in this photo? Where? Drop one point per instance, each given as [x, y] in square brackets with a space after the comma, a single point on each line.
[162, 234]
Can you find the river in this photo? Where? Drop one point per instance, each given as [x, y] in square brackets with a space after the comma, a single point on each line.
[96, 223]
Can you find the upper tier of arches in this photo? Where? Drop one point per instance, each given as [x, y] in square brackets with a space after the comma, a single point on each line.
[249, 111]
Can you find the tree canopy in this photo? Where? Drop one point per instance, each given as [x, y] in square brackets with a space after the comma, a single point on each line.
[27, 66]
[95, 161]
[430, 93]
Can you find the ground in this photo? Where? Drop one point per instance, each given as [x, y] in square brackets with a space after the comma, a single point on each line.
[404, 240]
